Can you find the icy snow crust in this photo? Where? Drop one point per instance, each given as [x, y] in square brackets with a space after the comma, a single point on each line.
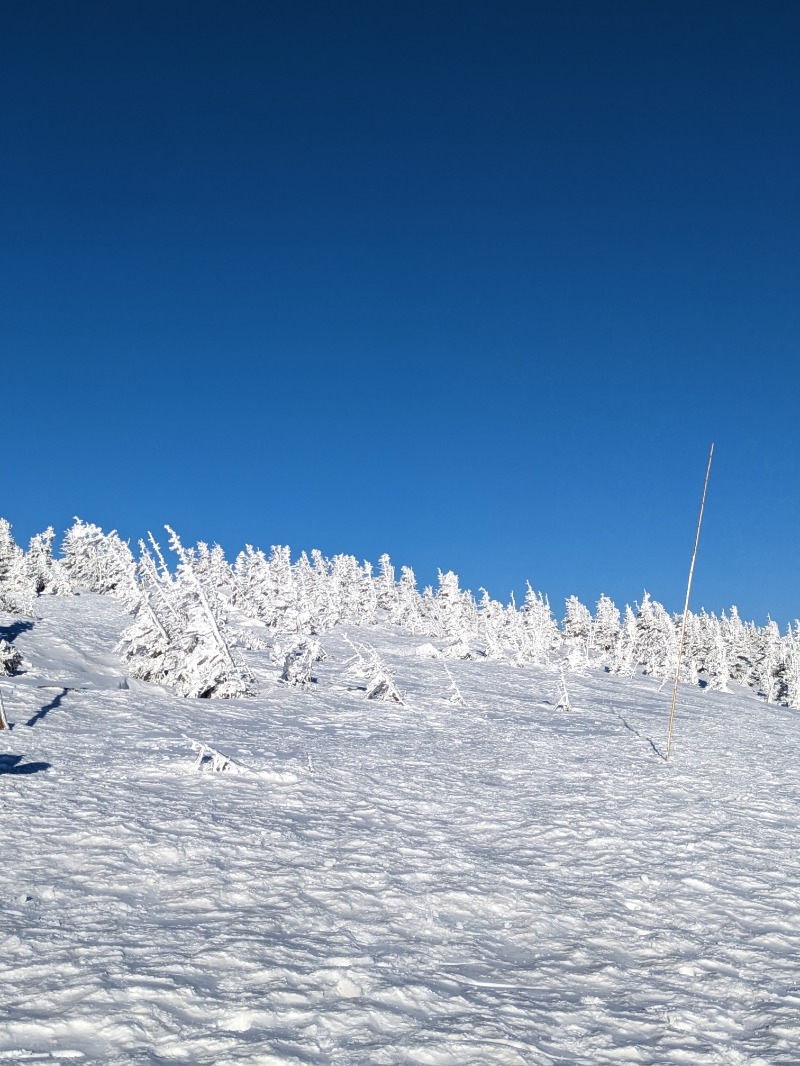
[501, 883]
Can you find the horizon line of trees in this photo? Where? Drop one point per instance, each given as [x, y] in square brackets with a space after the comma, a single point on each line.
[194, 626]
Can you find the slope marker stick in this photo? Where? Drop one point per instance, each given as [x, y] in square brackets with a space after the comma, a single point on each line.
[686, 607]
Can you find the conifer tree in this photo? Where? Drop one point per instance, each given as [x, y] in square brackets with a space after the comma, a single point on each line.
[11, 559]
[718, 669]
[10, 658]
[577, 622]
[491, 625]
[774, 672]
[385, 587]
[539, 632]
[95, 561]
[792, 658]
[656, 639]
[408, 607]
[178, 635]
[625, 657]
[606, 627]
[14, 582]
[43, 574]
[577, 631]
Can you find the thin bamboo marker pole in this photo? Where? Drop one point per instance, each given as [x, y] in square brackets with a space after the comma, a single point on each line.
[686, 607]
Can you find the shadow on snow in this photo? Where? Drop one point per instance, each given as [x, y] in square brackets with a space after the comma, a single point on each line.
[12, 631]
[652, 744]
[48, 707]
[12, 764]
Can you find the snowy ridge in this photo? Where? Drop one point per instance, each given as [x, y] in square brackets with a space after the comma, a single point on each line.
[420, 882]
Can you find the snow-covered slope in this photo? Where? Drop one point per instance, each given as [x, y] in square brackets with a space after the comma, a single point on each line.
[375, 883]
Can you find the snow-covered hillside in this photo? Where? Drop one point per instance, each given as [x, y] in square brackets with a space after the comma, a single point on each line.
[503, 882]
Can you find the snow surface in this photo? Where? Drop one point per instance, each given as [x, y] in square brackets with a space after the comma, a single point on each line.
[376, 883]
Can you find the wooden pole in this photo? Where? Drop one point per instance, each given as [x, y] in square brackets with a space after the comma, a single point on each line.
[686, 608]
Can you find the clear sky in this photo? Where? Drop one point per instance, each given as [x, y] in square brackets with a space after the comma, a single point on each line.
[474, 283]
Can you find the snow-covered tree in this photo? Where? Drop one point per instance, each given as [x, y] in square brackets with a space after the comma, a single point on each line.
[10, 658]
[741, 644]
[12, 576]
[718, 668]
[706, 651]
[408, 609]
[349, 591]
[491, 625]
[606, 627]
[773, 666]
[577, 630]
[44, 575]
[380, 682]
[792, 658]
[298, 663]
[386, 587]
[577, 622]
[14, 584]
[447, 613]
[456, 696]
[539, 631]
[98, 562]
[178, 635]
[656, 639]
[625, 657]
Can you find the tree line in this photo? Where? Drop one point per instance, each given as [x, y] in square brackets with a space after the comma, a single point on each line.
[196, 618]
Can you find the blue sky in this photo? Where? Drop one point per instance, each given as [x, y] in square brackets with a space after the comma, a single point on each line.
[476, 284]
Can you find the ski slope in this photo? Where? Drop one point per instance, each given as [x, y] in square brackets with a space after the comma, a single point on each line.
[372, 883]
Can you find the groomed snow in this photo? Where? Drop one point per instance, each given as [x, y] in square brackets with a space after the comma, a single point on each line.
[372, 883]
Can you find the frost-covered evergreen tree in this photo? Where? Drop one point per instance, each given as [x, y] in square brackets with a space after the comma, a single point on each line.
[278, 594]
[323, 610]
[367, 665]
[380, 681]
[44, 575]
[386, 587]
[792, 658]
[453, 616]
[539, 632]
[151, 642]
[773, 666]
[13, 580]
[743, 644]
[298, 663]
[95, 561]
[179, 636]
[625, 659]
[349, 591]
[606, 626]
[718, 668]
[408, 609]
[252, 585]
[10, 658]
[11, 559]
[577, 621]
[213, 571]
[656, 639]
[308, 594]
[368, 595]
[578, 631]
[491, 624]
[706, 649]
